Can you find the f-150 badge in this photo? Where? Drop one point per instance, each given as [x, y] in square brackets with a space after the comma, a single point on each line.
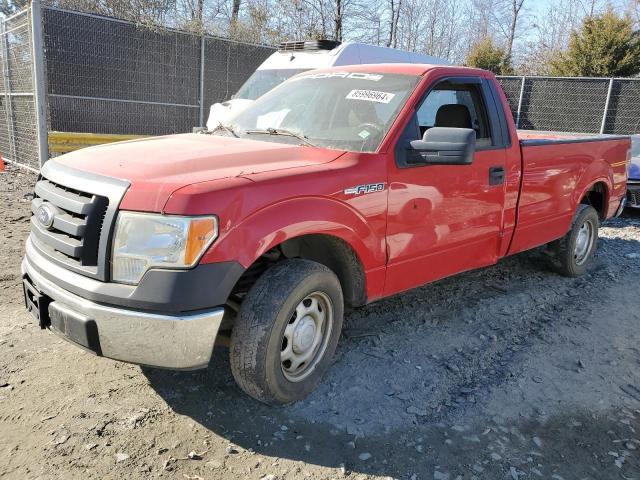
[362, 189]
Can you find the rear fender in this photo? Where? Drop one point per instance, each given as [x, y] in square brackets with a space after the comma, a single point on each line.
[598, 172]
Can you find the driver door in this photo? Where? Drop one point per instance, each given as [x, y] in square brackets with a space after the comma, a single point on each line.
[444, 219]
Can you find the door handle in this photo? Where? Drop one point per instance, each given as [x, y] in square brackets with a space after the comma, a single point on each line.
[496, 176]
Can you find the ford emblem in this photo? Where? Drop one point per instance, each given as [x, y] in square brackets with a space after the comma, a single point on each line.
[45, 215]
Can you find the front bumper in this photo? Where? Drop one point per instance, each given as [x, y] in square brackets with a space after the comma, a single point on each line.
[177, 341]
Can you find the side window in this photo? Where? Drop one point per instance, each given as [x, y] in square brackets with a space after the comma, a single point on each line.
[458, 106]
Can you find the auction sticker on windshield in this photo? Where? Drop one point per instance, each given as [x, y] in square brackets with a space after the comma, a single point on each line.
[370, 96]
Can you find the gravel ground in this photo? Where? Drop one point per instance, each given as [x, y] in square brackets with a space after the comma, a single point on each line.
[510, 372]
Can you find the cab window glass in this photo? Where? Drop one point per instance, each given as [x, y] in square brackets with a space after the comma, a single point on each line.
[458, 106]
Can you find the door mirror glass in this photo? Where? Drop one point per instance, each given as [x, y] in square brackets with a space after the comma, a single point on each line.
[443, 146]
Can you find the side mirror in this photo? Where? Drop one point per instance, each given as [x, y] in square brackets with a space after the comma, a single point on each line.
[443, 146]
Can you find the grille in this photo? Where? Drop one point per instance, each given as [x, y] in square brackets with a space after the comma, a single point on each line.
[308, 45]
[67, 223]
[291, 46]
[633, 196]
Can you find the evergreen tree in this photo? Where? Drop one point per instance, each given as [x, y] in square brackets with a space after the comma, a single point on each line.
[488, 56]
[605, 46]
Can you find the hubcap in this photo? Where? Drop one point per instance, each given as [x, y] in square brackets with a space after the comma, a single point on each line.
[584, 243]
[305, 337]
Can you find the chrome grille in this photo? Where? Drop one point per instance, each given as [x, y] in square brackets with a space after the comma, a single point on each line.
[75, 227]
[82, 207]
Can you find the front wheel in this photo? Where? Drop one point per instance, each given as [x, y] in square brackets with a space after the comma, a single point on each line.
[286, 333]
[572, 254]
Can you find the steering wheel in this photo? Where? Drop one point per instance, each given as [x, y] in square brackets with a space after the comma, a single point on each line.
[295, 112]
[377, 130]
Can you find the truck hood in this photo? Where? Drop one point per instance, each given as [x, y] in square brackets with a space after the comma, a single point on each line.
[156, 167]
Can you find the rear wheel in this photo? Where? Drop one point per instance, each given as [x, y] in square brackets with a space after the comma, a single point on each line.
[287, 330]
[573, 254]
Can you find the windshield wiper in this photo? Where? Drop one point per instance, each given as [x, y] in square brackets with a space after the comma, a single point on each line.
[281, 131]
[227, 128]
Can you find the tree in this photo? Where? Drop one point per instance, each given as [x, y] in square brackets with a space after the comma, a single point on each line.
[485, 54]
[605, 46]
[337, 21]
[393, 23]
[9, 7]
[516, 6]
[235, 11]
[551, 29]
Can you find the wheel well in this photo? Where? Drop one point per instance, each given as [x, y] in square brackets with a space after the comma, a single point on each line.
[327, 250]
[597, 198]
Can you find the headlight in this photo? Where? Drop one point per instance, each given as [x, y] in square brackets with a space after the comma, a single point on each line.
[144, 240]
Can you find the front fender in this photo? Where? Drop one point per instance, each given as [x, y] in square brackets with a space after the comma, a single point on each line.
[273, 224]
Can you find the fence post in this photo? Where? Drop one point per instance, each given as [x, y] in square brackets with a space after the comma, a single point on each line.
[606, 107]
[202, 47]
[8, 98]
[520, 102]
[39, 87]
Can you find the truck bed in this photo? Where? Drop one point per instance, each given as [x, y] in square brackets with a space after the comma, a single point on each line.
[558, 169]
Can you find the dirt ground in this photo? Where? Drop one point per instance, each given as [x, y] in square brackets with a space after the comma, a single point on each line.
[510, 372]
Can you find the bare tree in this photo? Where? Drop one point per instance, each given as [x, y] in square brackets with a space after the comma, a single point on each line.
[478, 18]
[434, 27]
[148, 12]
[337, 20]
[516, 7]
[395, 8]
[235, 11]
[8, 7]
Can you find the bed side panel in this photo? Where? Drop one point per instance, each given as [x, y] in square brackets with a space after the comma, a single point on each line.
[555, 178]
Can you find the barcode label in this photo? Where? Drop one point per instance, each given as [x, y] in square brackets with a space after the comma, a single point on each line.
[370, 96]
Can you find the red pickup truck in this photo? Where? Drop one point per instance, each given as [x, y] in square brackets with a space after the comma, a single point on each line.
[337, 188]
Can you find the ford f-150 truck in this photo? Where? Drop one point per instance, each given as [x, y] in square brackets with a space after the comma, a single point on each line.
[337, 188]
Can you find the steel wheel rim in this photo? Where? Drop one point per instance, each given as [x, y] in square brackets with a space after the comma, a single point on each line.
[306, 336]
[584, 243]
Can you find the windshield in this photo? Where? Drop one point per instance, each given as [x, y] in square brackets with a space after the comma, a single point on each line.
[340, 110]
[264, 80]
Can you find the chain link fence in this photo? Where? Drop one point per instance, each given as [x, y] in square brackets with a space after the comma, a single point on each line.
[111, 76]
[18, 122]
[581, 105]
[623, 114]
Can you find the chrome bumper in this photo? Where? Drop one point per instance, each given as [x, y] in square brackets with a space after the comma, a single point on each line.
[623, 203]
[181, 342]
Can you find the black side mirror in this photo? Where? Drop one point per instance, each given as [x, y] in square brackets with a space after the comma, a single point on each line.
[443, 146]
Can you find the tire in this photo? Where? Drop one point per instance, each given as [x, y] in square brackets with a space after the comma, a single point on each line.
[278, 318]
[570, 256]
